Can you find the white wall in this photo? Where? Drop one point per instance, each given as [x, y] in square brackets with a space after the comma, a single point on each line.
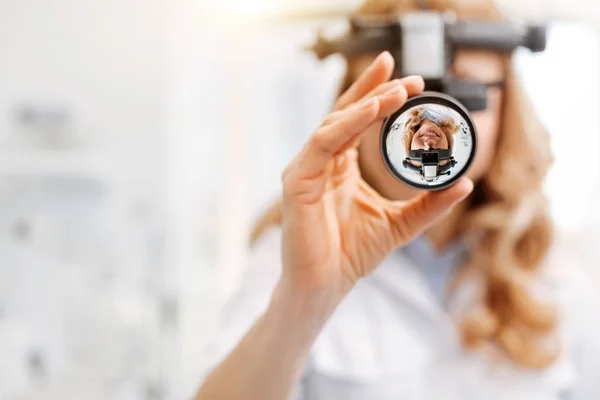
[82, 218]
[103, 60]
[564, 85]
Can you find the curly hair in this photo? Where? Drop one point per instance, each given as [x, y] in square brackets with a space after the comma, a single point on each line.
[507, 212]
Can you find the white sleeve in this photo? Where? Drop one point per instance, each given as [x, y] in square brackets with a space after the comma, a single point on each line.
[249, 302]
[581, 318]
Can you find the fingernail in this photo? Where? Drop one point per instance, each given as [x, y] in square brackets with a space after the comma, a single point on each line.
[385, 54]
[379, 57]
[470, 186]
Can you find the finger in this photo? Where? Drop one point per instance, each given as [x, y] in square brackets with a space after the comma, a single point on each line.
[389, 102]
[396, 93]
[391, 97]
[380, 70]
[330, 139]
[408, 220]
[413, 84]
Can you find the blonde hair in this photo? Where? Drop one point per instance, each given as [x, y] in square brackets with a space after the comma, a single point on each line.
[507, 211]
[449, 127]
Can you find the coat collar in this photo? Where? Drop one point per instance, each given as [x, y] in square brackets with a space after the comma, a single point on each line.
[406, 276]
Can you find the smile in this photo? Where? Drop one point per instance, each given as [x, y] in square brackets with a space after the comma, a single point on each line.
[429, 134]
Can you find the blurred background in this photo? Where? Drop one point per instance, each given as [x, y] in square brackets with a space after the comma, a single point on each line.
[139, 140]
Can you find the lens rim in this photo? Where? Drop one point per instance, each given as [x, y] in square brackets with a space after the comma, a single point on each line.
[427, 98]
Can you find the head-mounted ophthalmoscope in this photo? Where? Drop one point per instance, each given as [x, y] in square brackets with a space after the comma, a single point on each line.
[431, 163]
[425, 43]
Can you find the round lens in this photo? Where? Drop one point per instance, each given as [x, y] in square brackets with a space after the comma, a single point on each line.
[430, 142]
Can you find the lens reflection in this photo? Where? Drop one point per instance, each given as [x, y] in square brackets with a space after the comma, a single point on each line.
[429, 145]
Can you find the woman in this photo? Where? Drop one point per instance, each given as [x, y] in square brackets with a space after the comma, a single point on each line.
[431, 127]
[362, 288]
[425, 128]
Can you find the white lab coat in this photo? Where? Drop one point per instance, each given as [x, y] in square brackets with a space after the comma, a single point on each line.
[391, 338]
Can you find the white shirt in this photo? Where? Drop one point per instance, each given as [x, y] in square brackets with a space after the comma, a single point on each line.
[392, 338]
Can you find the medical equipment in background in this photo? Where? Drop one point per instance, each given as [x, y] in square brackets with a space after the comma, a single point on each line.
[426, 43]
[433, 162]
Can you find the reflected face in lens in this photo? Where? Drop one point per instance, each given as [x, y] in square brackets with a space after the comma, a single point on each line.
[429, 136]
[473, 65]
[418, 142]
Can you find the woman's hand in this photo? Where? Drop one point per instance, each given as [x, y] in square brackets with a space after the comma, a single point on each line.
[337, 229]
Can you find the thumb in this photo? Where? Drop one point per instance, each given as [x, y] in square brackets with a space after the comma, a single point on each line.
[410, 219]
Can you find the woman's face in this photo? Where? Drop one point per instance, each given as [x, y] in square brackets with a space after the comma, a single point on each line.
[429, 136]
[480, 66]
